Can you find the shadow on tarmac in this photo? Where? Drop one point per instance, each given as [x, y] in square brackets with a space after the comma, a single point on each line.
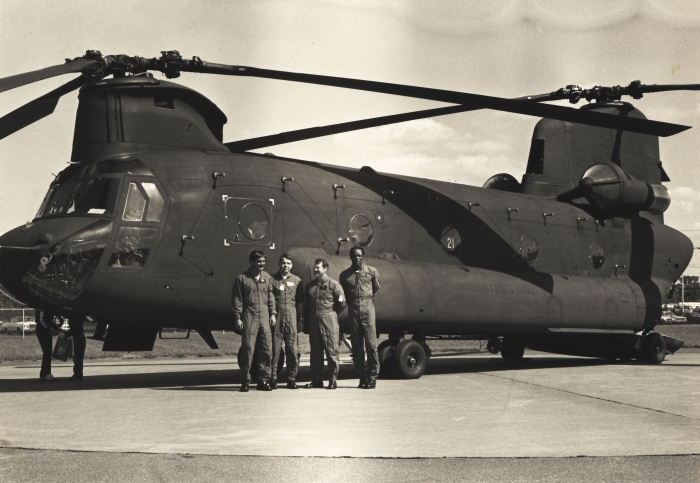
[228, 379]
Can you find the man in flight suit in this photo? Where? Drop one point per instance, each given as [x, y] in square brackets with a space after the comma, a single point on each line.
[253, 305]
[289, 295]
[323, 301]
[360, 283]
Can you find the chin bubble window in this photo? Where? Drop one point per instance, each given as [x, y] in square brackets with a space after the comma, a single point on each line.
[361, 231]
[596, 256]
[528, 248]
[451, 240]
[132, 247]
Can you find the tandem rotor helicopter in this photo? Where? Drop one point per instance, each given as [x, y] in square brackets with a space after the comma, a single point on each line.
[155, 216]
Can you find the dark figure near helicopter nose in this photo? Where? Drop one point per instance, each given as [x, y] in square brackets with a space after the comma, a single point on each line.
[360, 283]
[46, 328]
[253, 304]
[75, 330]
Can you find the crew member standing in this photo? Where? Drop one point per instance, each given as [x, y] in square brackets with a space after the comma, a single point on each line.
[323, 301]
[75, 330]
[253, 304]
[289, 296]
[45, 329]
[361, 283]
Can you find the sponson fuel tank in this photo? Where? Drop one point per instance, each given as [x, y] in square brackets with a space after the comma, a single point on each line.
[447, 299]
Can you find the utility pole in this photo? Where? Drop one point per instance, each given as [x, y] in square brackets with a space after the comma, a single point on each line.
[682, 295]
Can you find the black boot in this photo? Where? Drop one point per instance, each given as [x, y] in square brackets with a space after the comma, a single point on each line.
[263, 386]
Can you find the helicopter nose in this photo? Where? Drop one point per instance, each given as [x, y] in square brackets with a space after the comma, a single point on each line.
[33, 264]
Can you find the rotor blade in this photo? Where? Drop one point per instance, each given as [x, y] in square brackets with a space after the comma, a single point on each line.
[18, 80]
[315, 132]
[643, 126]
[644, 88]
[36, 109]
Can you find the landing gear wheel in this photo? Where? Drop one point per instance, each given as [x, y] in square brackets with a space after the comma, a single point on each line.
[654, 348]
[410, 359]
[511, 349]
[494, 346]
[386, 362]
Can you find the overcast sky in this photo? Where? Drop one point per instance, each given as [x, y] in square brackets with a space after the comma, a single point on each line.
[503, 48]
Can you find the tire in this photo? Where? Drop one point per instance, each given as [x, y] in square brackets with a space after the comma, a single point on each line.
[494, 346]
[512, 350]
[410, 359]
[19, 331]
[386, 362]
[654, 347]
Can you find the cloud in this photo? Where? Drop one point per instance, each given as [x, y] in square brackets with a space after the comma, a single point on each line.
[429, 149]
[685, 203]
[460, 17]
[424, 135]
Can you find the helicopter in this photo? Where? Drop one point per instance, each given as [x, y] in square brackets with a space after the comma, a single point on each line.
[155, 215]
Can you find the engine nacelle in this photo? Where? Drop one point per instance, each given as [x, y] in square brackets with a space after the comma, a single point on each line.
[607, 187]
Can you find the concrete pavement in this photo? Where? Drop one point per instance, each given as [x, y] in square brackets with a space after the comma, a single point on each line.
[466, 405]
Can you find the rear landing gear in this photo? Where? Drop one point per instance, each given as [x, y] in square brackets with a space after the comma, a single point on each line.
[494, 346]
[410, 359]
[405, 358]
[512, 350]
[653, 348]
[386, 362]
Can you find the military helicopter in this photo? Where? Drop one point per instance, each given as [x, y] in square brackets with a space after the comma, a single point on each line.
[155, 216]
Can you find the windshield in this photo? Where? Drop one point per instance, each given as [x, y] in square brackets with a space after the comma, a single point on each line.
[95, 196]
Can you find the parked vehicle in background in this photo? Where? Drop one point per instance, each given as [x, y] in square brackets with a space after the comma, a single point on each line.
[671, 318]
[19, 325]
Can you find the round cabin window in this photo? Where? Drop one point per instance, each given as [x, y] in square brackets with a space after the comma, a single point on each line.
[528, 248]
[451, 240]
[379, 217]
[253, 221]
[361, 231]
[596, 256]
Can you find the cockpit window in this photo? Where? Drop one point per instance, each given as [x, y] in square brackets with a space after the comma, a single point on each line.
[135, 204]
[155, 202]
[96, 196]
[143, 198]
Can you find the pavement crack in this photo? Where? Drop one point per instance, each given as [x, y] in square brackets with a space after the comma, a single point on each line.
[587, 396]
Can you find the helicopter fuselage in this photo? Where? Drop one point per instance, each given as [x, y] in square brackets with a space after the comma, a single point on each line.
[453, 259]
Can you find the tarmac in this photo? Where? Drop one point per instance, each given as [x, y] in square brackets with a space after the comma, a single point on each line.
[467, 405]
